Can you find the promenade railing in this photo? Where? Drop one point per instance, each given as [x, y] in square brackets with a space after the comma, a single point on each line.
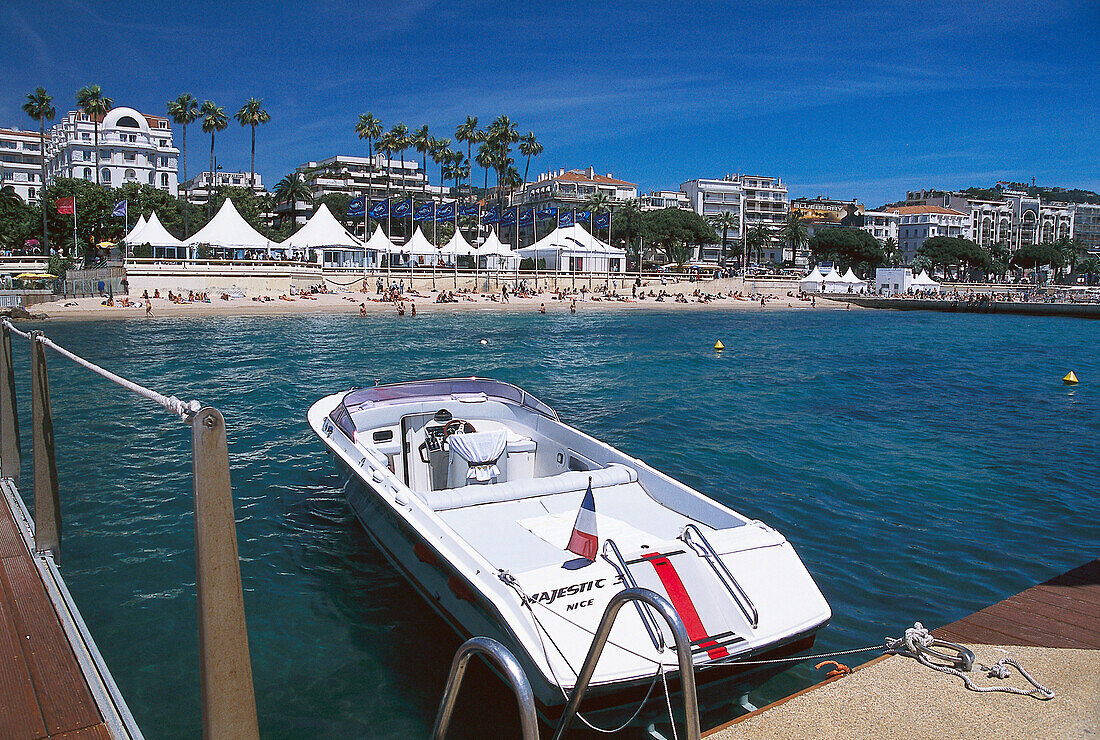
[228, 698]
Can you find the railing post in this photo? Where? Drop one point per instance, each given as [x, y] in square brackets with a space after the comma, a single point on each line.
[47, 506]
[10, 455]
[228, 698]
[509, 668]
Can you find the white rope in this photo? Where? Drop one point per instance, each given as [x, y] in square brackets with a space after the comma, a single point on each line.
[183, 409]
[917, 639]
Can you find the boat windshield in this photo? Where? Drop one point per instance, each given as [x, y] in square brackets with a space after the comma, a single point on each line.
[364, 397]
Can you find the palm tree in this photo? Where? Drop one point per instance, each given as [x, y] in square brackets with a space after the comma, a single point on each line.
[469, 133]
[421, 141]
[501, 135]
[213, 120]
[794, 233]
[38, 107]
[95, 106]
[440, 152]
[184, 110]
[384, 144]
[484, 158]
[756, 239]
[594, 203]
[529, 147]
[630, 214]
[400, 141]
[252, 114]
[370, 128]
[891, 251]
[292, 189]
[724, 221]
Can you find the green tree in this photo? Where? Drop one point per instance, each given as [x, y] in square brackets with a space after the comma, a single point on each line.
[596, 203]
[1033, 256]
[441, 153]
[1090, 266]
[38, 107]
[94, 222]
[674, 229]
[370, 128]
[421, 141]
[399, 141]
[952, 251]
[484, 159]
[468, 132]
[17, 220]
[91, 101]
[184, 110]
[292, 190]
[529, 147]
[628, 226]
[723, 222]
[213, 121]
[146, 199]
[891, 252]
[794, 233]
[252, 114]
[756, 238]
[853, 248]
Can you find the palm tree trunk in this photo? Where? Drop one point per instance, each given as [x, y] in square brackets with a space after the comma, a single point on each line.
[42, 190]
[95, 125]
[252, 171]
[186, 204]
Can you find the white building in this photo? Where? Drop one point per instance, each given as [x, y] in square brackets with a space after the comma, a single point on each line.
[21, 162]
[917, 223]
[133, 147]
[197, 189]
[1086, 225]
[1015, 219]
[882, 225]
[655, 200]
[756, 201]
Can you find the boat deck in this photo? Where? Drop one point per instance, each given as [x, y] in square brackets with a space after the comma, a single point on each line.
[52, 682]
[1052, 628]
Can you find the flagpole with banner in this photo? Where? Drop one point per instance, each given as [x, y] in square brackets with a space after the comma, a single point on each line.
[76, 245]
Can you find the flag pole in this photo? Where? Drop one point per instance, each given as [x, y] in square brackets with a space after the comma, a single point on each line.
[76, 244]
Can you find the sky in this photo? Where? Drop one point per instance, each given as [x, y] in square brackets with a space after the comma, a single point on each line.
[844, 100]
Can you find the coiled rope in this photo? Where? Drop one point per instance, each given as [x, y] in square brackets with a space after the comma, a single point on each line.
[185, 410]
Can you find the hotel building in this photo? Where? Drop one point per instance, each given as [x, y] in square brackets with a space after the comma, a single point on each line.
[21, 162]
[1086, 225]
[756, 200]
[1015, 220]
[819, 213]
[917, 223]
[133, 147]
[566, 190]
[197, 189]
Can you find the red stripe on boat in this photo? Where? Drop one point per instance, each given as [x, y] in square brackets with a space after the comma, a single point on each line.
[683, 604]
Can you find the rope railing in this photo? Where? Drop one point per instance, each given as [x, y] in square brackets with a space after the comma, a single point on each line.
[228, 697]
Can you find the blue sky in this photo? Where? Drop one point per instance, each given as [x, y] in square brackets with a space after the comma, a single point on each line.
[840, 99]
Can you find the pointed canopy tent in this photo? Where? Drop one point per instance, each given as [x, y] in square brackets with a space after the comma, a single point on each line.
[418, 250]
[380, 243]
[458, 246]
[497, 254]
[330, 242]
[155, 234]
[851, 279]
[573, 248]
[924, 281]
[812, 282]
[835, 283]
[129, 238]
[229, 230]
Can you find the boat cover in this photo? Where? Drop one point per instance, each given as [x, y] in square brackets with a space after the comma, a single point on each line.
[480, 450]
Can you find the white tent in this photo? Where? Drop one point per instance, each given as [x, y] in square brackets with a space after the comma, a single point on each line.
[324, 236]
[924, 281]
[228, 230]
[497, 254]
[378, 245]
[458, 246]
[834, 283]
[129, 238]
[854, 282]
[153, 233]
[418, 250]
[812, 282]
[574, 249]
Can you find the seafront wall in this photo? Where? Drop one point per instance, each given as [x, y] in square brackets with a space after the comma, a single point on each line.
[1075, 310]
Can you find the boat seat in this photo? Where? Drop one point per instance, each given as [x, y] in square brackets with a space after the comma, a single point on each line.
[515, 490]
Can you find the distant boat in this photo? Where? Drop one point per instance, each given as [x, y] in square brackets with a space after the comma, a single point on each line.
[471, 488]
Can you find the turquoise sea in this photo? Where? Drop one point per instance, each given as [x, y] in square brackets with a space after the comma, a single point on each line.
[923, 465]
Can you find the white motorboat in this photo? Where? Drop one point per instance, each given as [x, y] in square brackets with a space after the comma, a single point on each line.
[472, 488]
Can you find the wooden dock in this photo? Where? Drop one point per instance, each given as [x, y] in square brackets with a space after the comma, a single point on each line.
[53, 682]
[1055, 627]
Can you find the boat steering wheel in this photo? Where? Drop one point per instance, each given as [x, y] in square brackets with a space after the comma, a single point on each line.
[454, 426]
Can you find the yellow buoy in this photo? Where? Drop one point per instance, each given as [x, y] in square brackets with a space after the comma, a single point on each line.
[718, 346]
[1070, 379]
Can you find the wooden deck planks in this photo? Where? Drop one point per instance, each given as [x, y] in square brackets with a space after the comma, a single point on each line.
[43, 692]
[1063, 612]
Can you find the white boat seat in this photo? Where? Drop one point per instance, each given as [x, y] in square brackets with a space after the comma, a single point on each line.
[515, 490]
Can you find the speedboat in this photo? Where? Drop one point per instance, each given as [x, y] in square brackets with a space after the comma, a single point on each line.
[475, 491]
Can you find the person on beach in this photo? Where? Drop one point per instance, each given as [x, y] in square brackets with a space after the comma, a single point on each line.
[362, 309]
[504, 293]
[148, 307]
[761, 301]
[400, 308]
[542, 308]
[413, 304]
[573, 306]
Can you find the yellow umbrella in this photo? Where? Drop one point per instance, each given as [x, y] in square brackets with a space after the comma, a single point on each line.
[35, 276]
[105, 245]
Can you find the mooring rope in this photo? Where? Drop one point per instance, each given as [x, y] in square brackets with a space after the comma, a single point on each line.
[185, 410]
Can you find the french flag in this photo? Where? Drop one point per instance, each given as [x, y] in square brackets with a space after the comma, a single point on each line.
[584, 541]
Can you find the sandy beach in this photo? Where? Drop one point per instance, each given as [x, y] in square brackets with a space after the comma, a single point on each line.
[94, 308]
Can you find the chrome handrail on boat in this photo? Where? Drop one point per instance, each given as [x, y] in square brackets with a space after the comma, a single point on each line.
[599, 641]
[744, 603]
[509, 669]
[650, 623]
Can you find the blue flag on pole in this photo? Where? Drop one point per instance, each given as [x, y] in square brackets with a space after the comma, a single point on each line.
[527, 217]
[471, 210]
[120, 209]
[509, 217]
[445, 212]
[378, 210]
[492, 216]
[426, 211]
[603, 220]
[583, 217]
[565, 219]
[356, 206]
[402, 209]
[546, 212]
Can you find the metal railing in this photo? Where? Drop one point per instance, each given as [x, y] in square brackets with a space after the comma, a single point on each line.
[509, 668]
[703, 549]
[619, 564]
[228, 698]
[599, 641]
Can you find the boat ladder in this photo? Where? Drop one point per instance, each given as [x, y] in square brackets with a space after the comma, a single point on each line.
[619, 564]
[694, 539]
[508, 667]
